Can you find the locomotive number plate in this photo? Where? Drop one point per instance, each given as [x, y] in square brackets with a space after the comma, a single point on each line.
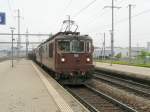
[76, 55]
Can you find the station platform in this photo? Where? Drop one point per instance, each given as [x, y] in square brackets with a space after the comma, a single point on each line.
[27, 88]
[133, 71]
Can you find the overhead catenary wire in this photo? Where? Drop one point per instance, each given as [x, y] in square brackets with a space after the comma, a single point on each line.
[93, 20]
[104, 12]
[120, 2]
[136, 15]
[66, 7]
[95, 16]
[126, 19]
[143, 12]
[109, 10]
[69, 3]
[84, 8]
[101, 14]
[87, 6]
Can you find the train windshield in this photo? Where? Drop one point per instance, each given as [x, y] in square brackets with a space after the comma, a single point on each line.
[63, 46]
[77, 46]
[74, 46]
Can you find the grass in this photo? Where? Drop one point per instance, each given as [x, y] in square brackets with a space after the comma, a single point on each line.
[139, 63]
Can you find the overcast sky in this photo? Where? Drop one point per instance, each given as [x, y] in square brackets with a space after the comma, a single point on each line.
[46, 16]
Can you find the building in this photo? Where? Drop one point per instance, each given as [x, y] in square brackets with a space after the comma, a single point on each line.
[148, 46]
[99, 52]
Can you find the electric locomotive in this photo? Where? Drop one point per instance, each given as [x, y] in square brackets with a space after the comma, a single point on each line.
[68, 55]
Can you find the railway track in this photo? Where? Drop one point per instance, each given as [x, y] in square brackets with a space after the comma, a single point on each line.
[128, 85]
[97, 101]
[3, 59]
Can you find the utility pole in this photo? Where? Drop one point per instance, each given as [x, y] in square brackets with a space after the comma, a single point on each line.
[112, 29]
[12, 51]
[130, 32]
[104, 45]
[102, 52]
[27, 43]
[112, 33]
[111, 41]
[19, 39]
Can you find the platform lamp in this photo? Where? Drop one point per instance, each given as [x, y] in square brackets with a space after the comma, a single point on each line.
[12, 53]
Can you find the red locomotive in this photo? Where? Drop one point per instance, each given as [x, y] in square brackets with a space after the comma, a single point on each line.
[68, 55]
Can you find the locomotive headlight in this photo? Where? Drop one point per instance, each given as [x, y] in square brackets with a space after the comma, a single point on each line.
[88, 59]
[62, 59]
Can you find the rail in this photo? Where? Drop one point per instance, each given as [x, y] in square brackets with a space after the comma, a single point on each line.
[137, 88]
[97, 101]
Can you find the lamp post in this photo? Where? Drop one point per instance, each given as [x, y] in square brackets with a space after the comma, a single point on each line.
[12, 55]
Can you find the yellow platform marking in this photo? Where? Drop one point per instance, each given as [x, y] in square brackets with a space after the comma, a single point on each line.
[64, 107]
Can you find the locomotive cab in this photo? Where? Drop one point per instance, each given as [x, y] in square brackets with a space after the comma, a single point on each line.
[74, 58]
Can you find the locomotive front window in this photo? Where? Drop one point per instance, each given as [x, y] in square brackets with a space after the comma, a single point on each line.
[73, 46]
[77, 46]
[63, 46]
[88, 46]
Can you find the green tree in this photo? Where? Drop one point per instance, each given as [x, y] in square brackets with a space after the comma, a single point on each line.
[143, 54]
[119, 55]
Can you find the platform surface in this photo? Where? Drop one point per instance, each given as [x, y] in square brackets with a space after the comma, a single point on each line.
[23, 88]
[139, 71]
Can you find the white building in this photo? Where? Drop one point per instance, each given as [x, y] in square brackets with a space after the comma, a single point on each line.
[148, 46]
[99, 52]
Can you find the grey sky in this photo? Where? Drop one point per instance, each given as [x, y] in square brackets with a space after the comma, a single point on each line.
[46, 16]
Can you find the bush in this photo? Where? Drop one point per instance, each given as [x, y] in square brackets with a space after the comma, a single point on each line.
[118, 56]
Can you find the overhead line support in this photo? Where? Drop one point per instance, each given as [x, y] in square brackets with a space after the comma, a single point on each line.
[19, 39]
[112, 30]
[130, 31]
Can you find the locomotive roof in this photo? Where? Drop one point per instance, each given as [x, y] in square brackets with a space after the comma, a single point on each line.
[81, 37]
[67, 35]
